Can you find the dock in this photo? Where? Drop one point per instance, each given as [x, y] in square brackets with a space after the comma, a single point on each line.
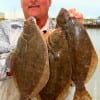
[92, 25]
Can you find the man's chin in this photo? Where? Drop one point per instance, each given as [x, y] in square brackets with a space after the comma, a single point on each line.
[34, 14]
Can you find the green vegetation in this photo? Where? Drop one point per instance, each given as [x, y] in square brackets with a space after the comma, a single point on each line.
[89, 21]
[2, 19]
[99, 17]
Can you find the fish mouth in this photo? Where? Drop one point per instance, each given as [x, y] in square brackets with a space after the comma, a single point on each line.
[34, 5]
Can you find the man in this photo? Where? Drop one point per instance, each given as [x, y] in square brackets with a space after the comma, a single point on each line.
[11, 31]
[38, 9]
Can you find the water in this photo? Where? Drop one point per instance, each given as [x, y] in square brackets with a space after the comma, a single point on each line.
[93, 85]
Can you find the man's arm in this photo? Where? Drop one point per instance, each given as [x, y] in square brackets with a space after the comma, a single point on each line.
[8, 37]
[3, 70]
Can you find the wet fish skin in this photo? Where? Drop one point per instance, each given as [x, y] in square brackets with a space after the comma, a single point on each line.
[84, 57]
[60, 67]
[29, 62]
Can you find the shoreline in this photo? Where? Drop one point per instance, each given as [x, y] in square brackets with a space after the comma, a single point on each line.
[92, 25]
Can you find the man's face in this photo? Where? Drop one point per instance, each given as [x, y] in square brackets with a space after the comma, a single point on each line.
[36, 8]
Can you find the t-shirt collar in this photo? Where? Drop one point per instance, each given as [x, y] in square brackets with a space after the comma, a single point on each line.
[46, 27]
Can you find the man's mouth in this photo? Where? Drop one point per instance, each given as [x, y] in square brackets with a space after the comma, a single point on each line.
[33, 5]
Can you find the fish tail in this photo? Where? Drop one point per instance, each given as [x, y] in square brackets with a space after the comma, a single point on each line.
[82, 95]
[24, 98]
[30, 98]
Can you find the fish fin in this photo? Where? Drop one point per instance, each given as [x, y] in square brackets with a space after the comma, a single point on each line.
[22, 98]
[64, 91]
[82, 95]
[39, 98]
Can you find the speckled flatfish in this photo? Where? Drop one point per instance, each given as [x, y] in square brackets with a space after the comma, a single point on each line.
[60, 67]
[84, 58]
[29, 61]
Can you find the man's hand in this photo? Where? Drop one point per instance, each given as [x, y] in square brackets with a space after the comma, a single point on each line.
[74, 14]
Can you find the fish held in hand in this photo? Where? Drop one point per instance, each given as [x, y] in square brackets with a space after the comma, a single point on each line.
[29, 61]
[60, 67]
[83, 55]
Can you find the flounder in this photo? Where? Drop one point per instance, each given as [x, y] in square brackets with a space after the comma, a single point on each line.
[83, 55]
[60, 67]
[29, 61]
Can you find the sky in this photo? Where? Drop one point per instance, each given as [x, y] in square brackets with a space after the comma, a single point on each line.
[89, 8]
